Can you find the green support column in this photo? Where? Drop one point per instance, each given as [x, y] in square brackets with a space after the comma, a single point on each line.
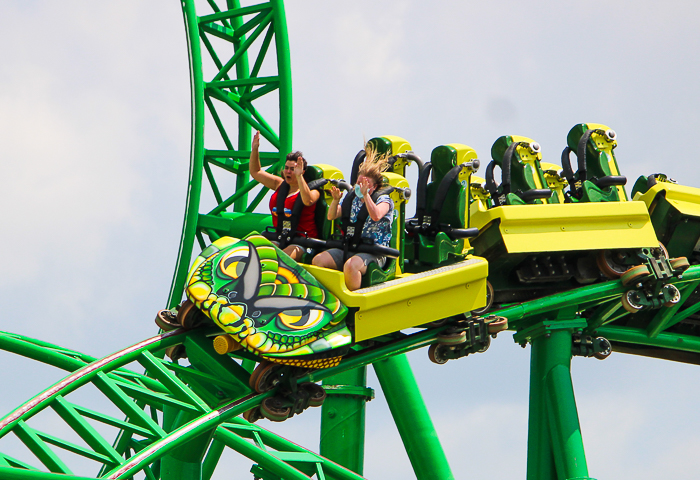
[343, 419]
[412, 419]
[185, 462]
[555, 444]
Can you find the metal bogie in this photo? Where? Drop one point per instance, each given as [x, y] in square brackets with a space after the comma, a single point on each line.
[588, 346]
[289, 402]
[463, 338]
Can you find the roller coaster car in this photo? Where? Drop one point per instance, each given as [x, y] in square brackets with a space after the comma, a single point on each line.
[437, 234]
[597, 178]
[293, 319]
[283, 313]
[537, 245]
[675, 214]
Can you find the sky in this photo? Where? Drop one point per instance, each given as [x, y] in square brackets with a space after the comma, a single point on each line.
[94, 151]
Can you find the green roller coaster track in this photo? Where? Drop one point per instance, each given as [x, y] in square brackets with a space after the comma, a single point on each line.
[174, 422]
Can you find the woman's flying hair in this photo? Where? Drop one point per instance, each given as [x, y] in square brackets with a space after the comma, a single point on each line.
[374, 164]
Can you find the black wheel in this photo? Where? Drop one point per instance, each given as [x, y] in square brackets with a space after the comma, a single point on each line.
[608, 265]
[188, 315]
[267, 378]
[176, 352]
[675, 295]
[630, 301]
[253, 415]
[680, 263]
[663, 250]
[254, 374]
[167, 320]
[273, 409]
[436, 354]
[498, 324]
[606, 348]
[317, 394]
[485, 346]
[489, 300]
[436, 323]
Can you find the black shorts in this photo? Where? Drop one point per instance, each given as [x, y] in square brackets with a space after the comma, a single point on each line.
[337, 256]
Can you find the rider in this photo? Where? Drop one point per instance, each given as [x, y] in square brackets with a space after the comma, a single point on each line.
[377, 227]
[293, 175]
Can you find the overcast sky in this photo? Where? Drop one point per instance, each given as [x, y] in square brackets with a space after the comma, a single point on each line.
[94, 149]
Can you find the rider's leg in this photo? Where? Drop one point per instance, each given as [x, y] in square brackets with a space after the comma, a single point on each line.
[294, 251]
[332, 258]
[353, 269]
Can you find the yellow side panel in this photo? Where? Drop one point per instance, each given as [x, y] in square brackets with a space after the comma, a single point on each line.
[410, 300]
[685, 199]
[420, 310]
[571, 226]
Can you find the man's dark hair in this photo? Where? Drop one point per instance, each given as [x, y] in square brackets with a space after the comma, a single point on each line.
[294, 156]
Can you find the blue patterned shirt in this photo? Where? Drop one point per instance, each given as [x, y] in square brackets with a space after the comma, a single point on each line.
[379, 231]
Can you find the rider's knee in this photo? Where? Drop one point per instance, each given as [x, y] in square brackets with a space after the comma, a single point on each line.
[354, 264]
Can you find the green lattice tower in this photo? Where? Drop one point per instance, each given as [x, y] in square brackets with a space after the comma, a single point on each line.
[239, 64]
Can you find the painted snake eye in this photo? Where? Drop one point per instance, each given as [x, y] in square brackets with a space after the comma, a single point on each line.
[300, 319]
[234, 263]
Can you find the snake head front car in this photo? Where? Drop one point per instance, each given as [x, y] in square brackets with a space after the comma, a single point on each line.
[264, 300]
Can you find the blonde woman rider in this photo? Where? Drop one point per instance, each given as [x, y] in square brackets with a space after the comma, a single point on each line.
[377, 227]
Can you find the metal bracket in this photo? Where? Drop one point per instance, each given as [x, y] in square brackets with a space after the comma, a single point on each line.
[546, 327]
[350, 390]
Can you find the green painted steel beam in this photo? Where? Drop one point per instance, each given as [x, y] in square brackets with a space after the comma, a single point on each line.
[412, 419]
[158, 444]
[597, 293]
[604, 314]
[664, 318]
[343, 421]
[267, 460]
[281, 444]
[555, 444]
[189, 225]
[638, 336]
[7, 473]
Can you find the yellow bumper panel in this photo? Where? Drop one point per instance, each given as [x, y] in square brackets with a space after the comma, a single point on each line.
[685, 199]
[571, 226]
[410, 300]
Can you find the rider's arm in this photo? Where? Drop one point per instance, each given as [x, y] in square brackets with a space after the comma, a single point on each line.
[334, 209]
[267, 179]
[308, 196]
[376, 211]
